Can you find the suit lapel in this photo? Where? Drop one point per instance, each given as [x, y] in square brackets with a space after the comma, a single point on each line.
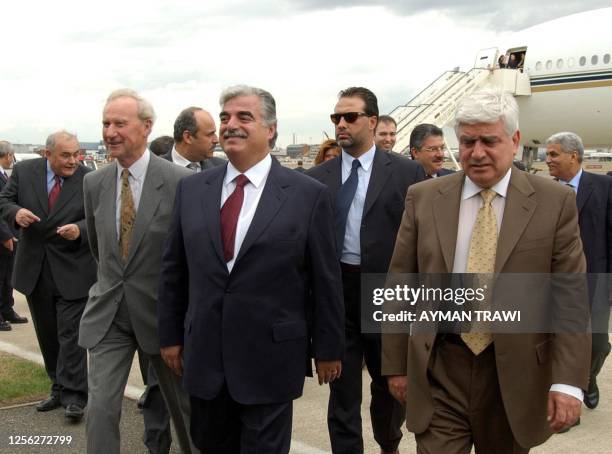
[333, 176]
[518, 212]
[446, 215]
[272, 198]
[149, 201]
[211, 207]
[108, 210]
[585, 188]
[40, 185]
[381, 172]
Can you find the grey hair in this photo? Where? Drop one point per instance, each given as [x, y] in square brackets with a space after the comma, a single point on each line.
[488, 106]
[268, 104]
[569, 143]
[52, 139]
[145, 109]
[5, 148]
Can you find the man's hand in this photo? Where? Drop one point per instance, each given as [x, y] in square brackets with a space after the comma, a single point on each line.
[173, 357]
[328, 371]
[397, 387]
[24, 218]
[563, 410]
[9, 244]
[69, 232]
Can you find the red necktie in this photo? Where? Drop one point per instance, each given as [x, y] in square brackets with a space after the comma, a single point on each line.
[54, 193]
[229, 217]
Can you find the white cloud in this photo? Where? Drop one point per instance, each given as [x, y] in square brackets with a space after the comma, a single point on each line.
[63, 58]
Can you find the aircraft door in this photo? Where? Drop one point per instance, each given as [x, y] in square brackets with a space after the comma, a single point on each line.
[486, 58]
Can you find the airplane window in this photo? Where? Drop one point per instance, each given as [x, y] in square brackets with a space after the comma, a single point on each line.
[582, 61]
[549, 64]
[606, 59]
[594, 60]
[539, 66]
[560, 63]
[570, 62]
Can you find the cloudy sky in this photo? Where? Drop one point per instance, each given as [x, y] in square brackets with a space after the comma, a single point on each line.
[62, 58]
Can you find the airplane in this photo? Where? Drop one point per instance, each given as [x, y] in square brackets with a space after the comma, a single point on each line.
[562, 81]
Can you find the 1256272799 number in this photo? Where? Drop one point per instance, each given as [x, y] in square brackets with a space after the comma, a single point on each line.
[40, 439]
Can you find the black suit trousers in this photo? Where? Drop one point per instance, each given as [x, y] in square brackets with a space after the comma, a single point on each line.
[224, 426]
[6, 273]
[344, 411]
[56, 321]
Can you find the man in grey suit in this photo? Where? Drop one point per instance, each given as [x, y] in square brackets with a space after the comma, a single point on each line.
[127, 208]
[53, 266]
[195, 138]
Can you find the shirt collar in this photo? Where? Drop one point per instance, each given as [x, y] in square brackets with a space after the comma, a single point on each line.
[51, 173]
[365, 159]
[139, 168]
[470, 189]
[179, 159]
[574, 181]
[256, 174]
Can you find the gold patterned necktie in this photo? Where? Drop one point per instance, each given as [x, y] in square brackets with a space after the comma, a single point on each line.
[481, 260]
[127, 215]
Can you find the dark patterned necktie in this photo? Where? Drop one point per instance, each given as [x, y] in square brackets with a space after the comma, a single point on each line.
[54, 192]
[344, 199]
[229, 217]
[127, 215]
[194, 166]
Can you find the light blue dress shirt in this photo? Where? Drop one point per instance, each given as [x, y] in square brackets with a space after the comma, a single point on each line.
[351, 249]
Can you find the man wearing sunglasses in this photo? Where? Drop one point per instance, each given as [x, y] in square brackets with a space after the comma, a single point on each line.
[368, 186]
[427, 147]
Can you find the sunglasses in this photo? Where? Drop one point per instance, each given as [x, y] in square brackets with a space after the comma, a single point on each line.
[349, 117]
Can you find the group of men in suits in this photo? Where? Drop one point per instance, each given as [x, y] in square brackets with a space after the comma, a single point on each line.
[230, 281]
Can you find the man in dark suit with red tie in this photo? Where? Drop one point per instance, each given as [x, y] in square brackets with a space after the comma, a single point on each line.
[54, 268]
[368, 186]
[7, 251]
[249, 287]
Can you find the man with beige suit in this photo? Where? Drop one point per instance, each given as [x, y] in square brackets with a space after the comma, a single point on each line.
[501, 392]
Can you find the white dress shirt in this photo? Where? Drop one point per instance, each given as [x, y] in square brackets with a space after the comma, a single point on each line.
[138, 170]
[351, 248]
[468, 211]
[178, 159]
[257, 175]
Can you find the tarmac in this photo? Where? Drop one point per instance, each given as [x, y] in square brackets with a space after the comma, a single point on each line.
[310, 436]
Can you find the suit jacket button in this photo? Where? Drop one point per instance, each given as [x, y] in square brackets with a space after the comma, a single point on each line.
[427, 346]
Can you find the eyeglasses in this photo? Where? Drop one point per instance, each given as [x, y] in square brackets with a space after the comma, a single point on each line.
[434, 149]
[349, 117]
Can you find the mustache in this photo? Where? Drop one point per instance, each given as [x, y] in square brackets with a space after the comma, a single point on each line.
[235, 133]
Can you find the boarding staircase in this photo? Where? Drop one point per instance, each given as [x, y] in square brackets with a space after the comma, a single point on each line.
[437, 103]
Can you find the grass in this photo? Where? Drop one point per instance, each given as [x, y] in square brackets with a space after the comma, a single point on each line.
[21, 381]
